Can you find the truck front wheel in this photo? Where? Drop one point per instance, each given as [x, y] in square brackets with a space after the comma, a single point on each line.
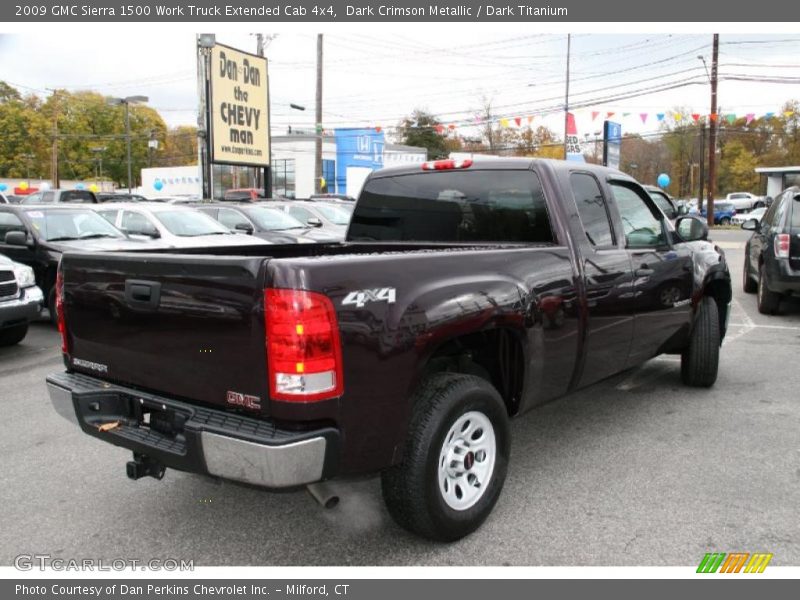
[455, 459]
[13, 335]
[700, 361]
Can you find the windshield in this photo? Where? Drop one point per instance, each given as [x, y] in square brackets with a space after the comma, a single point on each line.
[273, 220]
[65, 225]
[334, 215]
[664, 204]
[189, 223]
[724, 206]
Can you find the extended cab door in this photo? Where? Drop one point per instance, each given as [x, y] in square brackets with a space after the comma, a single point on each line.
[607, 277]
[662, 272]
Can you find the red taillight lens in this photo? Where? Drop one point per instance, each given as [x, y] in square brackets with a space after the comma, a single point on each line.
[304, 353]
[59, 308]
[782, 245]
[444, 165]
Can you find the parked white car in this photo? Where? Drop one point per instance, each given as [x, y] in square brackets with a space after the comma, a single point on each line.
[20, 301]
[745, 200]
[174, 225]
[756, 213]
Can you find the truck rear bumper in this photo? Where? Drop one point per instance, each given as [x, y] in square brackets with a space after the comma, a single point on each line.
[194, 438]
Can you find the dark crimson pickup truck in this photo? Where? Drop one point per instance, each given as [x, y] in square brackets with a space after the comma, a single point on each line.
[465, 294]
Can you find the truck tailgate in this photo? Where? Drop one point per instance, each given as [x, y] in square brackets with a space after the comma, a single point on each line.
[184, 326]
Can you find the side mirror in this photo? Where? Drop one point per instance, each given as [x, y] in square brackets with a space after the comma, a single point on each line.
[314, 222]
[244, 228]
[751, 225]
[691, 229]
[16, 238]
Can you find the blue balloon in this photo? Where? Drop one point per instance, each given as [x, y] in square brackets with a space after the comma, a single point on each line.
[3, 187]
[79, 186]
[663, 180]
[158, 185]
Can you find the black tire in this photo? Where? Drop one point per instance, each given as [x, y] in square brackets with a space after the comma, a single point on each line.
[725, 221]
[13, 335]
[51, 305]
[768, 302]
[748, 284]
[411, 489]
[700, 361]
[758, 204]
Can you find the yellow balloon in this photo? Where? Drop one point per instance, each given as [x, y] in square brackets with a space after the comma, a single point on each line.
[93, 188]
[23, 186]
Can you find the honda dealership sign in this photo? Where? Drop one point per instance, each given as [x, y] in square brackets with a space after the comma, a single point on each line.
[358, 153]
[239, 108]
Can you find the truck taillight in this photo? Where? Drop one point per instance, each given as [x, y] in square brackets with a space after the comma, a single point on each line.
[444, 165]
[59, 308]
[782, 245]
[304, 354]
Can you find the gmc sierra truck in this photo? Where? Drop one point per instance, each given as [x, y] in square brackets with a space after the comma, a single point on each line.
[464, 295]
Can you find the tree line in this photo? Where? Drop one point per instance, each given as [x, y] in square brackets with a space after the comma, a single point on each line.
[90, 136]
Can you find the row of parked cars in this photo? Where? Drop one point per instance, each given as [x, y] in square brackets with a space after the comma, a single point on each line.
[33, 237]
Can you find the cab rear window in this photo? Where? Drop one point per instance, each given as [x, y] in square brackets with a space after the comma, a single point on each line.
[453, 206]
[77, 196]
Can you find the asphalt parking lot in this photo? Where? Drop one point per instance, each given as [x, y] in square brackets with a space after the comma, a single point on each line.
[637, 470]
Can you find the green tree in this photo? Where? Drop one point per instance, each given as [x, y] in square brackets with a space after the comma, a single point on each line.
[24, 139]
[423, 129]
[89, 127]
[180, 147]
[737, 169]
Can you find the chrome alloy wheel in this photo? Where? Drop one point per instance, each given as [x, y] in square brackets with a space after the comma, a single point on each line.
[466, 461]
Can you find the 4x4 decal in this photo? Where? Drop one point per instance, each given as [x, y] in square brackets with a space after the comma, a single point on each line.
[360, 297]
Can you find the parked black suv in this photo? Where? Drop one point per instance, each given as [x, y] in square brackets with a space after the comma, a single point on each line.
[37, 236]
[772, 254]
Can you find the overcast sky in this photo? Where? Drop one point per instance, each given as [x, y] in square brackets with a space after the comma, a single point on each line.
[374, 79]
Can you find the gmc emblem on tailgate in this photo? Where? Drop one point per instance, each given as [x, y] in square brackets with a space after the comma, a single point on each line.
[237, 399]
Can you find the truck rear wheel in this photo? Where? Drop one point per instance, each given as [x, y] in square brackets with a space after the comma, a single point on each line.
[700, 361]
[455, 459]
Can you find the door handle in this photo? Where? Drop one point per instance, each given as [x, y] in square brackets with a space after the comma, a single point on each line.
[142, 293]
[643, 271]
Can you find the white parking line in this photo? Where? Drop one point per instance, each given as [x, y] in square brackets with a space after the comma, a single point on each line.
[755, 326]
[746, 327]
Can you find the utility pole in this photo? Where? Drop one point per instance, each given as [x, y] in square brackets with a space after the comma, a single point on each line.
[54, 180]
[566, 100]
[318, 117]
[702, 174]
[712, 136]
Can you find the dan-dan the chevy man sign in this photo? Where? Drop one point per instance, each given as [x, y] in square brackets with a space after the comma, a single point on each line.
[239, 108]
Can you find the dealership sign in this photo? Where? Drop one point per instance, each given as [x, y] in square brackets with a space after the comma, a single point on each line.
[612, 139]
[239, 108]
[357, 151]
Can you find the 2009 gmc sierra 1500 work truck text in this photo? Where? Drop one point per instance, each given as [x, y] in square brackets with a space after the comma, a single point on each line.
[465, 294]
